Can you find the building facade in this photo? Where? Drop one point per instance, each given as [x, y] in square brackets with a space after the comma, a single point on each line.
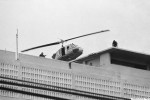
[106, 75]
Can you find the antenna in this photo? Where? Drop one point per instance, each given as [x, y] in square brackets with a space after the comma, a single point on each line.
[17, 55]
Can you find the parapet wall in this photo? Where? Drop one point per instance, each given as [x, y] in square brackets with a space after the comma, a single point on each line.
[108, 79]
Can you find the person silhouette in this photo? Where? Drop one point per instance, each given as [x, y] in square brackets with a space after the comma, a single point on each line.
[114, 44]
[42, 55]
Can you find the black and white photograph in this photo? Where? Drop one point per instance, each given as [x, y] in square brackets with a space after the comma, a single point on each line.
[74, 50]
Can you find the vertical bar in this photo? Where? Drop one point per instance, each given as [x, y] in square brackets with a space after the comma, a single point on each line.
[17, 56]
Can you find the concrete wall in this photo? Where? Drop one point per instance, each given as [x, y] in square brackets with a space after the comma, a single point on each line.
[106, 69]
[103, 59]
[94, 62]
[108, 72]
[10, 98]
[133, 75]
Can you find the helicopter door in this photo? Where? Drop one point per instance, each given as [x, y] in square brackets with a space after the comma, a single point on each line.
[63, 51]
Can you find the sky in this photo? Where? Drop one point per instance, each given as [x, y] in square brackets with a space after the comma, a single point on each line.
[45, 21]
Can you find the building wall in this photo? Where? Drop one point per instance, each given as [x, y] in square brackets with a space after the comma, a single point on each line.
[10, 98]
[109, 79]
[93, 62]
[98, 61]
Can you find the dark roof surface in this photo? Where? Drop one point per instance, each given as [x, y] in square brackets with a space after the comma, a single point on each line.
[118, 52]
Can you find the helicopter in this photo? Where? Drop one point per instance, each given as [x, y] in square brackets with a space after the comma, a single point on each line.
[68, 52]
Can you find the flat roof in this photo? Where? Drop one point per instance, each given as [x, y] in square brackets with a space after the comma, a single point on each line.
[118, 52]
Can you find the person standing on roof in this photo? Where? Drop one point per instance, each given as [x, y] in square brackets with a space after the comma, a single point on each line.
[42, 55]
[114, 44]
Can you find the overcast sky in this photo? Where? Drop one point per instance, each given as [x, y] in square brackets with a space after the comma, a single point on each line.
[45, 21]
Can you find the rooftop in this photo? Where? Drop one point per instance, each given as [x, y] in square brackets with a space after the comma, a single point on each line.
[119, 53]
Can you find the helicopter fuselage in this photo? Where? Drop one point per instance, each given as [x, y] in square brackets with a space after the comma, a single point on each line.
[68, 52]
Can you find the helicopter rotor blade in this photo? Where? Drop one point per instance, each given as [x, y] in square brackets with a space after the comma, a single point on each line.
[85, 35]
[62, 41]
[50, 44]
